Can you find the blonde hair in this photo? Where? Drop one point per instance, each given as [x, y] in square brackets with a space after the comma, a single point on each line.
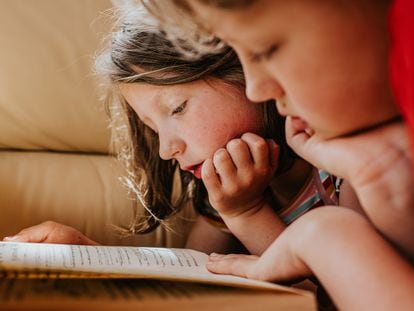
[139, 51]
[178, 22]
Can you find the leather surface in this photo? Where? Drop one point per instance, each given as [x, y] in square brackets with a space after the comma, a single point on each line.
[54, 136]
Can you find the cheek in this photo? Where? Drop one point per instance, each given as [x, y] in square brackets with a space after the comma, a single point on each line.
[219, 126]
[209, 137]
[205, 137]
[251, 119]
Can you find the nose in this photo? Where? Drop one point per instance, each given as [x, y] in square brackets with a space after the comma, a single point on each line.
[261, 85]
[170, 145]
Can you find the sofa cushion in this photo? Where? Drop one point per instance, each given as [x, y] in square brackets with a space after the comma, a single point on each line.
[48, 94]
[82, 191]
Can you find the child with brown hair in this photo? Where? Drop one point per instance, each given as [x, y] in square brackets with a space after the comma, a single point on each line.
[326, 65]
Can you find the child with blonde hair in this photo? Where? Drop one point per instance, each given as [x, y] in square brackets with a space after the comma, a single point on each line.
[188, 123]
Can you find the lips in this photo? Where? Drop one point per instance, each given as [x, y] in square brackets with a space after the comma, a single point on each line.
[301, 125]
[194, 169]
[298, 123]
[197, 171]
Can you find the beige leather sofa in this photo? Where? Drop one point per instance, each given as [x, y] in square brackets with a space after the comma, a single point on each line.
[54, 138]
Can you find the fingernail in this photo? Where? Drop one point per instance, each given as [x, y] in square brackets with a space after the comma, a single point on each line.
[12, 238]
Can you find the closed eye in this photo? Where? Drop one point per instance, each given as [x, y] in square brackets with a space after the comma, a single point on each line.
[265, 55]
[180, 108]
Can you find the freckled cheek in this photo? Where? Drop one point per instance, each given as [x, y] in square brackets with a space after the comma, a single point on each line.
[202, 139]
[209, 139]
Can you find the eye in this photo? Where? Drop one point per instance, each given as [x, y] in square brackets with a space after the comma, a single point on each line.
[270, 51]
[180, 108]
[266, 54]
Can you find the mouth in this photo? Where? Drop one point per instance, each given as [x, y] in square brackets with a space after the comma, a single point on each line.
[301, 125]
[195, 170]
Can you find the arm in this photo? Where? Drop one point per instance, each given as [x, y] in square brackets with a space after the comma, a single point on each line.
[349, 199]
[51, 232]
[377, 165]
[236, 179]
[358, 268]
[217, 241]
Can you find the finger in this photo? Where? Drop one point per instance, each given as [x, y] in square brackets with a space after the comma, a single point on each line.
[259, 150]
[224, 165]
[320, 153]
[240, 265]
[295, 136]
[209, 176]
[34, 234]
[309, 147]
[67, 235]
[51, 232]
[240, 154]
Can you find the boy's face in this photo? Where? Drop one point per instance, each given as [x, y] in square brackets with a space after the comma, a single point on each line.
[327, 60]
[193, 120]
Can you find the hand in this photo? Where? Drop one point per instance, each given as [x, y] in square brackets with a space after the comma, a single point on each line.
[360, 158]
[51, 232]
[254, 267]
[340, 247]
[280, 262]
[237, 176]
[377, 164]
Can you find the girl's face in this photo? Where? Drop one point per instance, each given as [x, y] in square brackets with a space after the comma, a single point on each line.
[195, 119]
[325, 60]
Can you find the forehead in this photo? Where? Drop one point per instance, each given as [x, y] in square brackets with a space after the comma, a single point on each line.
[134, 91]
[230, 23]
[262, 20]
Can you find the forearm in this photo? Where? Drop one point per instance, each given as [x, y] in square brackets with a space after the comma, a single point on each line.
[384, 183]
[357, 267]
[389, 202]
[217, 241]
[256, 228]
[377, 164]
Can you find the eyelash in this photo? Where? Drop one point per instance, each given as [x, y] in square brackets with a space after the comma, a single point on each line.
[180, 108]
[266, 55]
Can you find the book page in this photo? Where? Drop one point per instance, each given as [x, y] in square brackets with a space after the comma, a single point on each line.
[120, 262]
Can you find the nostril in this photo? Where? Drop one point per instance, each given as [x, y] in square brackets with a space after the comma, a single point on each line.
[169, 153]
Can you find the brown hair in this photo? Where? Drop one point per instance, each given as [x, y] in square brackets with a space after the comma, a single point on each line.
[140, 52]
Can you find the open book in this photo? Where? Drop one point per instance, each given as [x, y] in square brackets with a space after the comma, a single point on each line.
[139, 269]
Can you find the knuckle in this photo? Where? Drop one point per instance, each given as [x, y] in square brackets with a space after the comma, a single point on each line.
[249, 136]
[264, 171]
[260, 144]
[208, 174]
[49, 223]
[248, 180]
[234, 144]
[234, 190]
[220, 155]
